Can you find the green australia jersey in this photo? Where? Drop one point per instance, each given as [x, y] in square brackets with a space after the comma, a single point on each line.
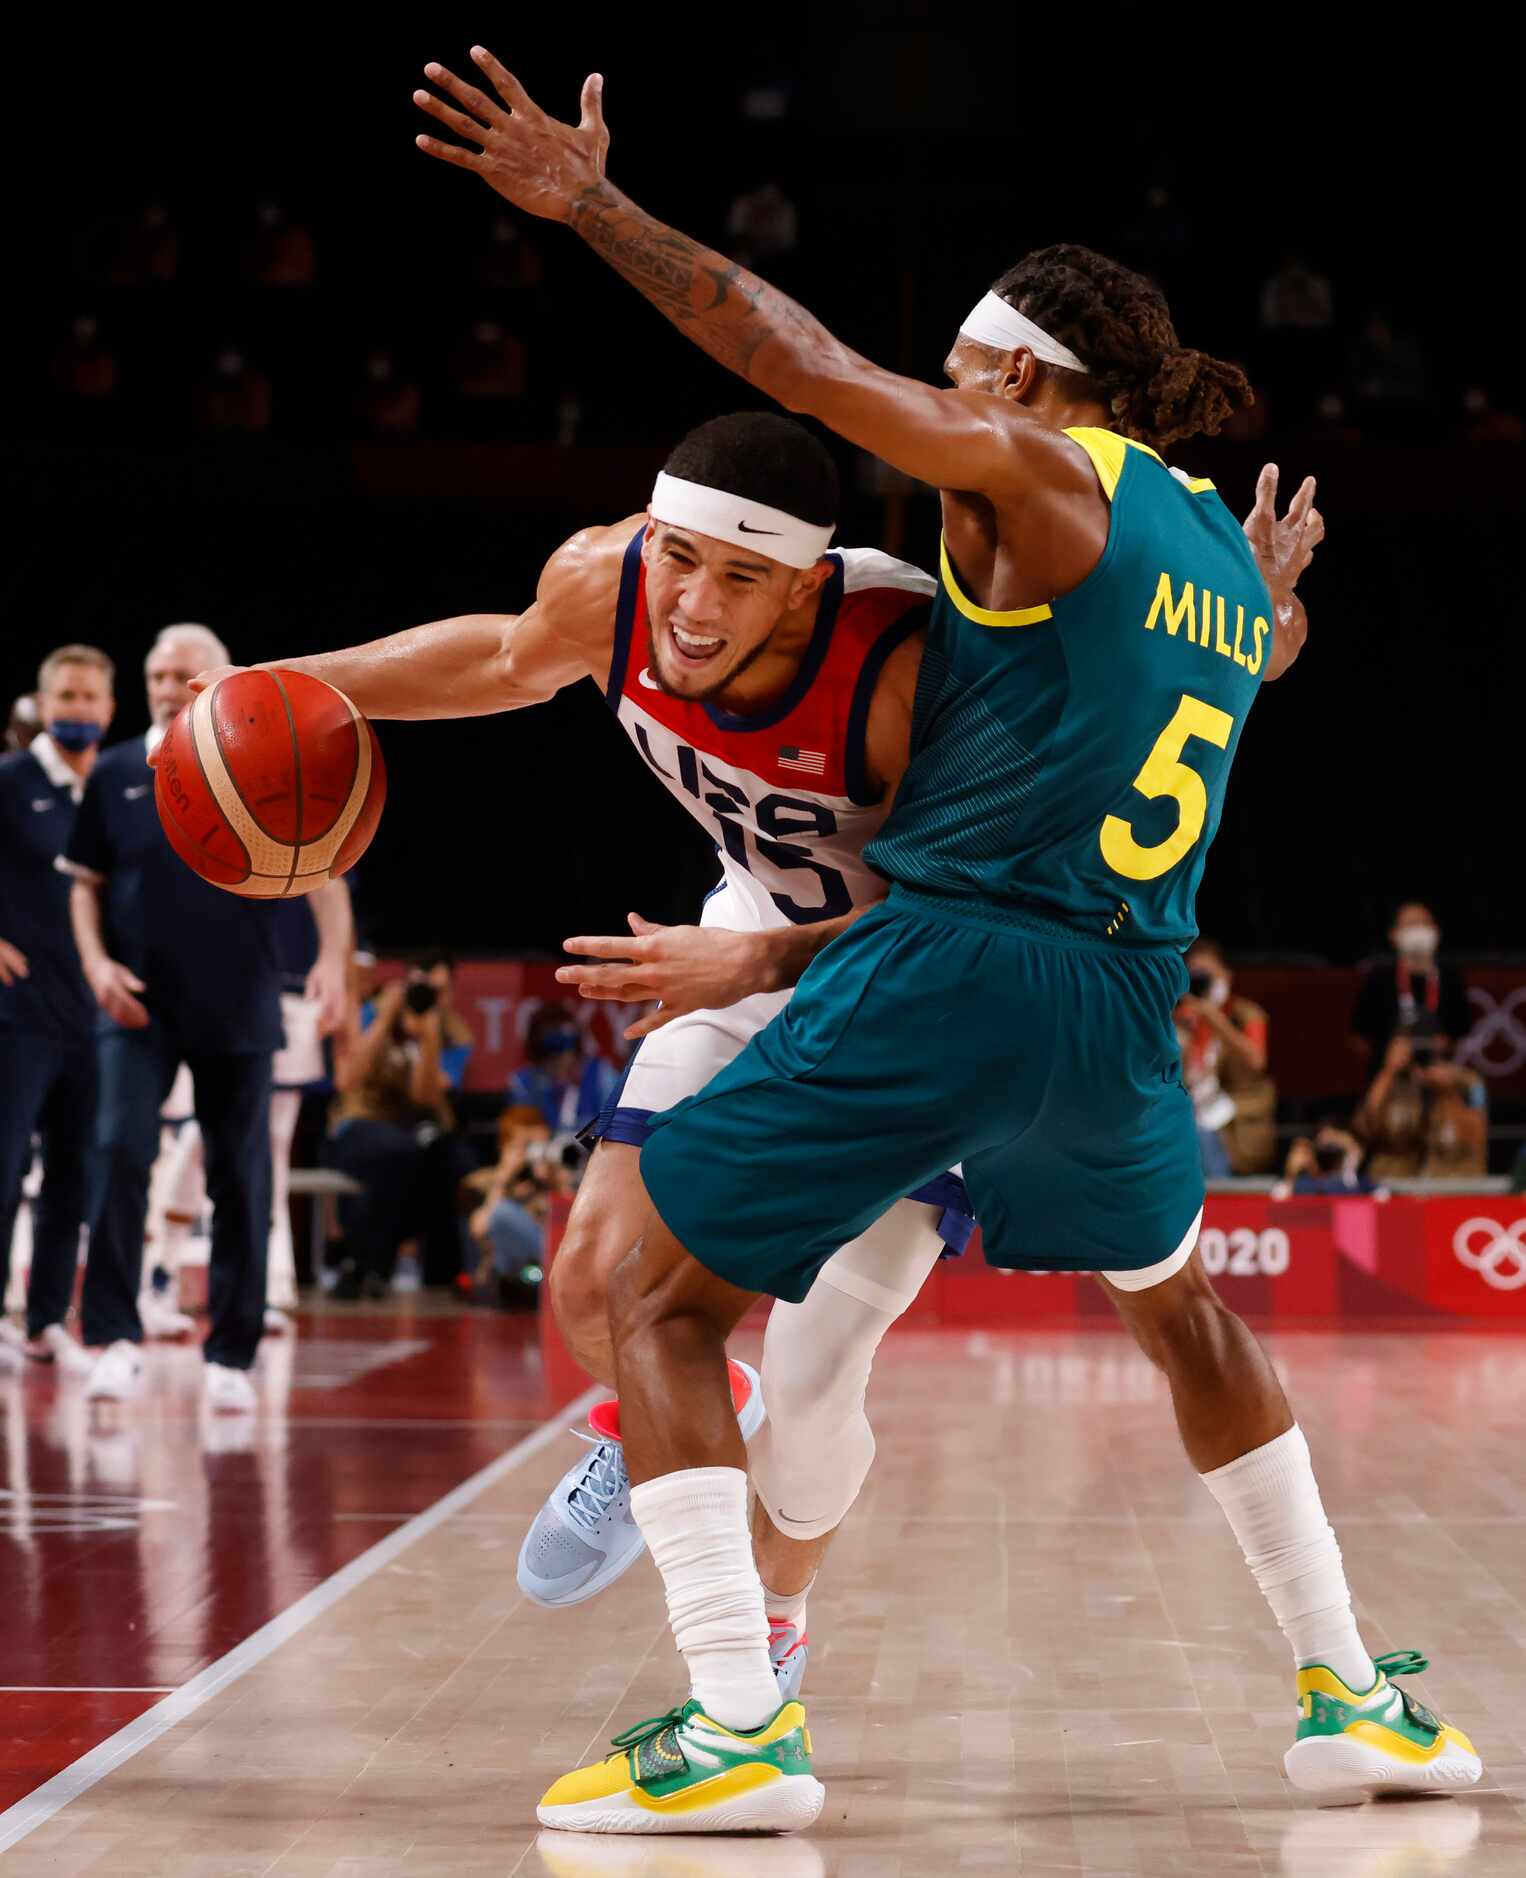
[1069, 761]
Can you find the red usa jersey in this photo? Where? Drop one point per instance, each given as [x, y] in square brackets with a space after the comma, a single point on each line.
[786, 792]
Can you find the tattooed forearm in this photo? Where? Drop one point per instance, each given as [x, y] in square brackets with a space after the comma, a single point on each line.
[742, 322]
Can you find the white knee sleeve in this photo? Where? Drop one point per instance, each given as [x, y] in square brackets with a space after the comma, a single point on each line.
[811, 1456]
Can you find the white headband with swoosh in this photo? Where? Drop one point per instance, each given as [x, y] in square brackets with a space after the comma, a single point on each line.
[737, 519]
[991, 322]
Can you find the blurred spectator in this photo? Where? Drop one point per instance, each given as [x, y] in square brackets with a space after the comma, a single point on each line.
[234, 395]
[24, 723]
[1329, 1164]
[387, 403]
[1224, 1058]
[1412, 995]
[488, 362]
[510, 263]
[1481, 422]
[1423, 1116]
[565, 1082]
[569, 417]
[508, 1224]
[1251, 423]
[84, 366]
[1389, 375]
[137, 250]
[762, 227]
[1333, 420]
[1296, 297]
[1159, 233]
[279, 253]
[394, 1130]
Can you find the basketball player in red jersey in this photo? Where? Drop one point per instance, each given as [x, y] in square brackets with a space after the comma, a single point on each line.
[768, 681]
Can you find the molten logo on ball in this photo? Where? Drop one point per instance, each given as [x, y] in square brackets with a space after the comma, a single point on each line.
[270, 783]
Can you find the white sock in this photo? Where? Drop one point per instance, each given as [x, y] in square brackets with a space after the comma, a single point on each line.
[1271, 1500]
[788, 1607]
[695, 1522]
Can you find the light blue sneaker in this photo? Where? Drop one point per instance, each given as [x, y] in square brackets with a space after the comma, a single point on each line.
[789, 1649]
[584, 1537]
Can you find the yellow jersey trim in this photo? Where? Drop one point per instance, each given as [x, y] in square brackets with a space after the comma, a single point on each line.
[1109, 452]
[983, 616]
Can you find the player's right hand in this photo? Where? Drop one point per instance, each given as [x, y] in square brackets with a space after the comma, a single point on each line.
[211, 675]
[114, 985]
[13, 964]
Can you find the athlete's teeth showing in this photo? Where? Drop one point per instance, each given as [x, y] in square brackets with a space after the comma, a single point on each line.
[691, 643]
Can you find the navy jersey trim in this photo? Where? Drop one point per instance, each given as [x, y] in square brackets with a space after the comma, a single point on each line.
[628, 1128]
[625, 618]
[855, 755]
[810, 665]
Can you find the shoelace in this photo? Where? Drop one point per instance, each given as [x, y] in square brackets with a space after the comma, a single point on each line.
[653, 1725]
[1402, 1663]
[601, 1481]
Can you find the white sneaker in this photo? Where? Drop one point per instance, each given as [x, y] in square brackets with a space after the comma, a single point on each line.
[116, 1373]
[277, 1322]
[55, 1345]
[229, 1391]
[159, 1317]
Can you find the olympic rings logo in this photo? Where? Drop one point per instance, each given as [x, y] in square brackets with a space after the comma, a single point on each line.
[1497, 1253]
[1497, 1042]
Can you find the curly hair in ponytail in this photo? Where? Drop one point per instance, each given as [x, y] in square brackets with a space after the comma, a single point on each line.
[1119, 325]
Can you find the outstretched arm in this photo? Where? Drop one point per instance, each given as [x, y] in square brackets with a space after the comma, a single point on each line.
[952, 439]
[486, 662]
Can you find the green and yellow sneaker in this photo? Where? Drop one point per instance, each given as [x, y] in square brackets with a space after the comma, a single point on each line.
[1383, 1741]
[683, 1772]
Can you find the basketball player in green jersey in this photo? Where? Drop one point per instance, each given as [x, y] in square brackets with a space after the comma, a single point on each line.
[1099, 636]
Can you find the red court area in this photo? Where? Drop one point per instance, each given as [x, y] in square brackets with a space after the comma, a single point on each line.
[141, 1545]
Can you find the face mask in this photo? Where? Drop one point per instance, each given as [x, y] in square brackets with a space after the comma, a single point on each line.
[74, 733]
[1218, 991]
[1417, 942]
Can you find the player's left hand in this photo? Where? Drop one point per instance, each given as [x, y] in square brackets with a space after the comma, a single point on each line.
[326, 987]
[690, 968]
[1283, 545]
[533, 161]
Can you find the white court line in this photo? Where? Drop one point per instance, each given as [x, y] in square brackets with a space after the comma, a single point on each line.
[50, 1798]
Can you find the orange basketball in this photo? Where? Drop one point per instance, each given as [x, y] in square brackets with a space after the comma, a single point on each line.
[270, 783]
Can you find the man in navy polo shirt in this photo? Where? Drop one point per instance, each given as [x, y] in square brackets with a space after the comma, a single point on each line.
[182, 971]
[47, 1015]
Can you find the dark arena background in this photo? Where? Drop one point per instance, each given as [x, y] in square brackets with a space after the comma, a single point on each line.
[269, 368]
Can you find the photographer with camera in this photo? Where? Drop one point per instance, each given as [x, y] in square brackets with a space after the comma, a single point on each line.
[1224, 1057]
[1412, 994]
[393, 1129]
[1330, 1164]
[508, 1226]
[1424, 1116]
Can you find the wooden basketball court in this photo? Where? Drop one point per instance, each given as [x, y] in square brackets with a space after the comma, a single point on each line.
[298, 1649]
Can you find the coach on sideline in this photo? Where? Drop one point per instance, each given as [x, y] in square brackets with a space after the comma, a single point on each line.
[183, 972]
[47, 1016]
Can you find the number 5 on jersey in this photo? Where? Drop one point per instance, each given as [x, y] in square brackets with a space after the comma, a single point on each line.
[1165, 774]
